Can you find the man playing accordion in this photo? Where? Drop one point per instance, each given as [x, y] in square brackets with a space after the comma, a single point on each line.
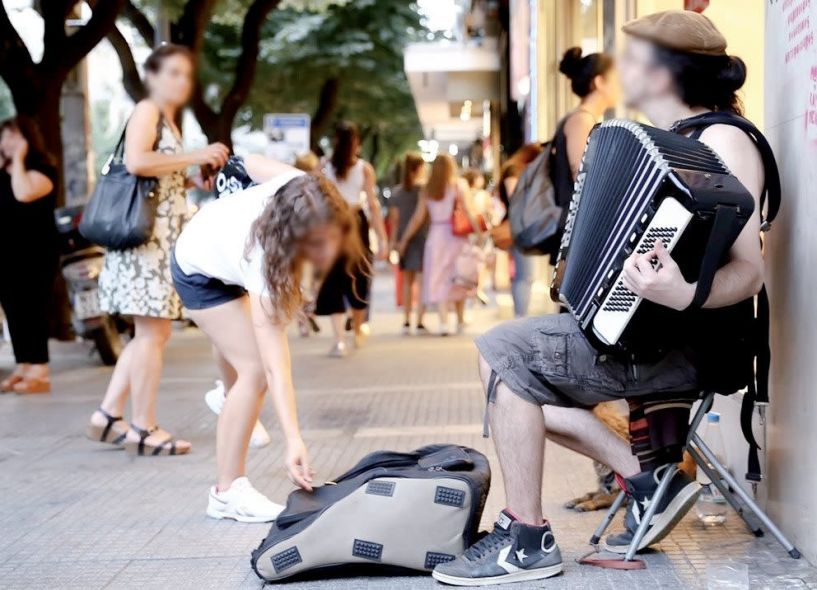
[542, 375]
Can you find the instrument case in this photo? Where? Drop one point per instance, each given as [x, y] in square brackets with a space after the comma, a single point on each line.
[398, 510]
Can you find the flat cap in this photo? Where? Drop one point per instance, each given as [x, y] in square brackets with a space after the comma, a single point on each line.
[681, 30]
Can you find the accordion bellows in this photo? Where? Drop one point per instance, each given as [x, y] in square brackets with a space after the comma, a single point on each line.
[638, 184]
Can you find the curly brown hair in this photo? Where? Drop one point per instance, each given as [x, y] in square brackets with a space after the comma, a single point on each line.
[302, 204]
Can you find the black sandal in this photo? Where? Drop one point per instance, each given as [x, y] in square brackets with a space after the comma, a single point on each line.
[104, 433]
[142, 448]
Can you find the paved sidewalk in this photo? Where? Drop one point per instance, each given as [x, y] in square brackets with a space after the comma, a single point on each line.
[75, 514]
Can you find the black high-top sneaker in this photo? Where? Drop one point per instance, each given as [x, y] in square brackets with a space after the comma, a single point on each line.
[512, 552]
[680, 497]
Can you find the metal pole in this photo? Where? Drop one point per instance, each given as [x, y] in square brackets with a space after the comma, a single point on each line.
[608, 518]
[750, 503]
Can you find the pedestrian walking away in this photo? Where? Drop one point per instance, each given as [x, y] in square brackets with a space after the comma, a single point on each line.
[402, 205]
[355, 180]
[437, 201]
[237, 267]
[137, 281]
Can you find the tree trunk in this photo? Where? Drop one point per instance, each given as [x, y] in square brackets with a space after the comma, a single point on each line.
[216, 126]
[327, 104]
[47, 115]
[375, 153]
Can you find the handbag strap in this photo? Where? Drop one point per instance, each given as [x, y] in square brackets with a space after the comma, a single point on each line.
[118, 154]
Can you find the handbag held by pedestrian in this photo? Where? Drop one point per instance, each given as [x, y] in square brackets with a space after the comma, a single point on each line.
[122, 209]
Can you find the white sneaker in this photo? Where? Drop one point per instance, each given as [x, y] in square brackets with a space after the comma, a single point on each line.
[215, 401]
[215, 397]
[339, 350]
[242, 502]
[260, 437]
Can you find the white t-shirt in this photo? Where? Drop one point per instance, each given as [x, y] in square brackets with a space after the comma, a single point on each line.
[214, 242]
[351, 188]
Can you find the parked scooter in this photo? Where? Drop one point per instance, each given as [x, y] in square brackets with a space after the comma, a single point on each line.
[81, 262]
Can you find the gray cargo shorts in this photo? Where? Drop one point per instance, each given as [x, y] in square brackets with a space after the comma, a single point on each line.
[548, 361]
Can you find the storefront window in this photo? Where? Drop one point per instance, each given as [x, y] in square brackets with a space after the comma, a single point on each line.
[588, 26]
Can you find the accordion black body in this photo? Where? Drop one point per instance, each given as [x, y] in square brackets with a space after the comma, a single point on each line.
[638, 184]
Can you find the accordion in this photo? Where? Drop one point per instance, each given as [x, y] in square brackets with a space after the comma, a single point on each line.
[638, 184]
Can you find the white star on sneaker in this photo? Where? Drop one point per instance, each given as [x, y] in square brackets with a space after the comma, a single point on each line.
[520, 555]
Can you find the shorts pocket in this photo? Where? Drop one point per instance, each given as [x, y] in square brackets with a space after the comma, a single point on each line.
[550, 353]
[592, 370]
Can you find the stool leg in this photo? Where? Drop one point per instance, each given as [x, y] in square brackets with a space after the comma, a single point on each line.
[746, 499]
[715, 477]
[608, 518]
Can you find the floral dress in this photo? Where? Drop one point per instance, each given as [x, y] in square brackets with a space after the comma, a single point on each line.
[137, 281]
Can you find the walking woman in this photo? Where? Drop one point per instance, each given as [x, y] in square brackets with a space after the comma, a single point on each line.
[402, 205]
[437, 201]
[355, 179]
[137, 281]
[28, 251]
[237, 267]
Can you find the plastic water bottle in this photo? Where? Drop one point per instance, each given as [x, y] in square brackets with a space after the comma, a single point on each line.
[711, 505]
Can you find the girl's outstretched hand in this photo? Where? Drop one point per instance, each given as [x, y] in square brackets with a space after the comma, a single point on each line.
[297, 465]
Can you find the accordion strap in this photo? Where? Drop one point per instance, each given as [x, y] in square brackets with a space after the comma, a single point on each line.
[721, 237]
[771, 194]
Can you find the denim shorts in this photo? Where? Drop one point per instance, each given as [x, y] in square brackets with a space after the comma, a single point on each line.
[201, 292]
[548, 361]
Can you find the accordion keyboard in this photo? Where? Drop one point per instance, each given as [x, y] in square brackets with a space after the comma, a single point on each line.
[667, 225]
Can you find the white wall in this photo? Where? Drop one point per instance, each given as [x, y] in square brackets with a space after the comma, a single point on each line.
[791, 124]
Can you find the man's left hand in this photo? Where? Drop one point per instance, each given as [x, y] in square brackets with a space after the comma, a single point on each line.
[663, 284]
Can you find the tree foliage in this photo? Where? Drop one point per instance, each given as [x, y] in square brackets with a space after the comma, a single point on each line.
[333, 60]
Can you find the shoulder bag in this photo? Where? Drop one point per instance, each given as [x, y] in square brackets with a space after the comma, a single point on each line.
[122, 209]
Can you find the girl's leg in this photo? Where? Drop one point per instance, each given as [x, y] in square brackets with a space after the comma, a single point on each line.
[119, 386]
[338, 321]
[409, 277]
[147, 358]
[225, 369]
[459, 306]
[230, 329]
[521, 283]
[421, 306]
[330, 303]
[358, 319]
[442, 310]
[26, 307]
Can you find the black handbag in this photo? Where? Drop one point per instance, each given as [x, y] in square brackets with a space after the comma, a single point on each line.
[122, 209]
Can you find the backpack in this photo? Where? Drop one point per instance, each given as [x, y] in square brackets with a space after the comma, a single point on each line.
[535, 217]
[400, 510]
[757, 369]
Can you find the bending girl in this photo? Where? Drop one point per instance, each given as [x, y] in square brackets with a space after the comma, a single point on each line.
[237, 268]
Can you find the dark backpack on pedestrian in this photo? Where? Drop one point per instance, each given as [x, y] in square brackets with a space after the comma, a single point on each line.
[400, 510]
[534, 215]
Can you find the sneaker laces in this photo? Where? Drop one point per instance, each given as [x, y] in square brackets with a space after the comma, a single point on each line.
[487, 544]
[249, 492]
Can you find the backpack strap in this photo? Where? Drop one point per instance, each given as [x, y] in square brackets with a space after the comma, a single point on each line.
[771, 194]
[757, 393]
